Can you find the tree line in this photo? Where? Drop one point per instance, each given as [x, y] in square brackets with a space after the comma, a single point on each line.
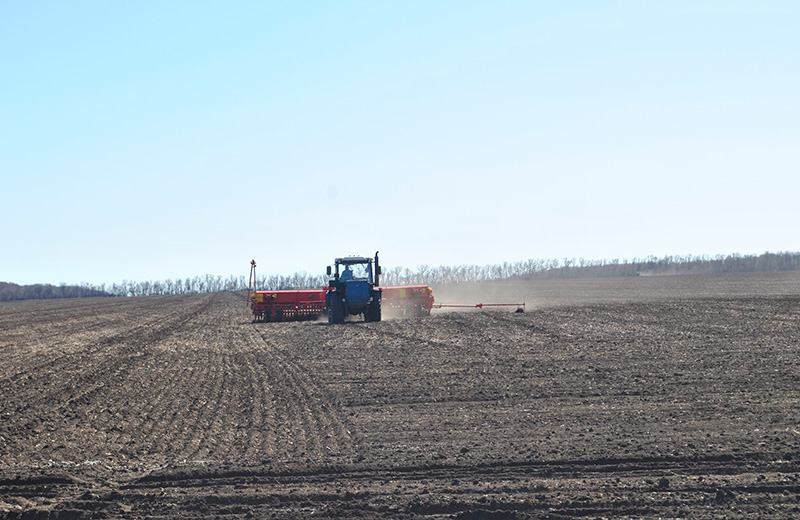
[39, 291]
[583, 268]
[427, 275]
[211, 284]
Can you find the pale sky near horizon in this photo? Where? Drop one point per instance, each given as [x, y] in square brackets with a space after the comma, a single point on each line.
[154, 140]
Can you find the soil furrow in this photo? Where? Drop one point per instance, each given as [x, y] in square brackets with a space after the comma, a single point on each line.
[316, 426]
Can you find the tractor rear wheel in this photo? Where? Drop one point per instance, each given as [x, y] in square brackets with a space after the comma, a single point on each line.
[373, 311]
[336, 310]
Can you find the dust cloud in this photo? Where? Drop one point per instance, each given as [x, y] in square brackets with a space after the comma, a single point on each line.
[585, 291]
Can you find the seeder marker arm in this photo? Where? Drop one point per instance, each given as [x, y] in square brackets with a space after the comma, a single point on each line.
[479, 305]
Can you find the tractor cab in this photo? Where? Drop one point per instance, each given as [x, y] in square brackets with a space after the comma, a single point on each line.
[351, 268]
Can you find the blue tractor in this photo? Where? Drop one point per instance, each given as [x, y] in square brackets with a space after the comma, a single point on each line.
[353, 288]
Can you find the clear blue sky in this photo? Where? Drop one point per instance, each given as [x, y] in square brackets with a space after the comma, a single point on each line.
[154, 140]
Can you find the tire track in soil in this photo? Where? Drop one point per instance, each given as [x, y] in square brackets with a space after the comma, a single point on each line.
[49, 336]
[240, 399]
[184, 382]
[221, 414]
[55, 405]
[642, 487]
[131, 335]
[310, 422]
[211, 410]
[149, 423]
[437, 359]
[192, 413]
[261, 419]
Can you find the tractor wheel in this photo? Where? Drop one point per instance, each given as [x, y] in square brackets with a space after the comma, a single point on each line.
[373, 311]
[336, 310]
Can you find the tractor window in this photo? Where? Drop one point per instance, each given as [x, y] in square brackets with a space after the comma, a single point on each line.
[360, 271]
[354, 272]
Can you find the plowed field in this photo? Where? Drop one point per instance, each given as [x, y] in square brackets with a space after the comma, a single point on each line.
[675, 397]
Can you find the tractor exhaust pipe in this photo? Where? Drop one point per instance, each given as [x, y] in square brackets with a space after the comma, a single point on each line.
[377, 271]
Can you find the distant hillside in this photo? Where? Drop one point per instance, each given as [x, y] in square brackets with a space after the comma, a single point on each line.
[12, 291]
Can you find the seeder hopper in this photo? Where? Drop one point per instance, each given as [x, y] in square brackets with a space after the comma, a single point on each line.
[288, 305]
[408, 300]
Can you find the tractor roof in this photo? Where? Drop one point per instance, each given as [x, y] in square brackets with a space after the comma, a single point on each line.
[353, 260]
